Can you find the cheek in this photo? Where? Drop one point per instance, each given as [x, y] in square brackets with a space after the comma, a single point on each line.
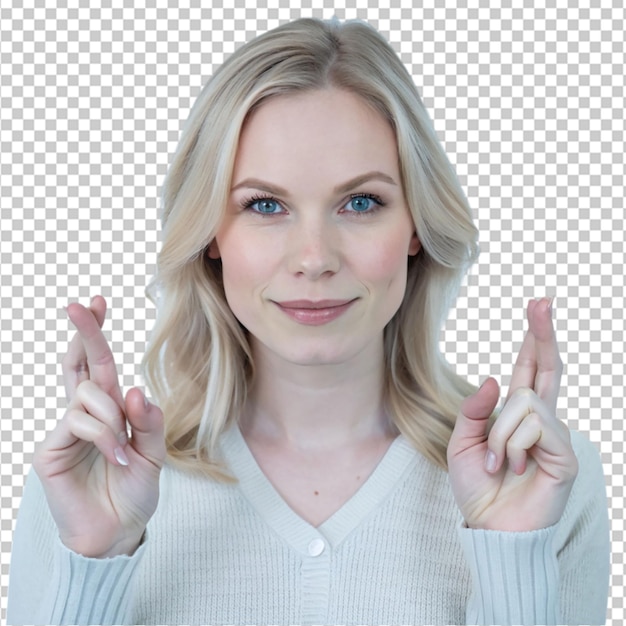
[245, 262]
[386, 261]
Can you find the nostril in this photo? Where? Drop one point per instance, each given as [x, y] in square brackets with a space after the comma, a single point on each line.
[314, 258]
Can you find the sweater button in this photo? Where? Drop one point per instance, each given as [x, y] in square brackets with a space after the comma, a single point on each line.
[316, 547]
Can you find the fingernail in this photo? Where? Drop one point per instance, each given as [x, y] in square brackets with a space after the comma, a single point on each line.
[490, 461]
[121, 457]
[551, 306]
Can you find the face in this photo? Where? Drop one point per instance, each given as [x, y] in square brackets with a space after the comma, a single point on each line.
[317, 235]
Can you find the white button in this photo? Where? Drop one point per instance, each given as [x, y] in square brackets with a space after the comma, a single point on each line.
[316, 547]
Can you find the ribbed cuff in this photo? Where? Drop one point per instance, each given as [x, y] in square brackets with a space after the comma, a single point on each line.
[90, 591]
[515, 576]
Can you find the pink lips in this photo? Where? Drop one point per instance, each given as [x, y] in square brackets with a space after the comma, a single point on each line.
[315, 313]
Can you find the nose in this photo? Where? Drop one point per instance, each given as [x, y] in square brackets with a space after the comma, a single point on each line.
[314, 249]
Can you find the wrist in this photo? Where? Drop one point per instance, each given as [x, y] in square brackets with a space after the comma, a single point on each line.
[124, 546]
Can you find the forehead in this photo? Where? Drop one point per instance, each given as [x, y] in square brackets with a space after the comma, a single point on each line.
[329, 127]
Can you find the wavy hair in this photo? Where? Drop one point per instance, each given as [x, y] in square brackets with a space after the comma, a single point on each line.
[198, 364]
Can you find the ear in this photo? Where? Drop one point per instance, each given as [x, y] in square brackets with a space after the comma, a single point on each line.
[414, 245]
[213, 251]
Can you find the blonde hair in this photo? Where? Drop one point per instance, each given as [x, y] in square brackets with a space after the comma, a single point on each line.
[198, 363]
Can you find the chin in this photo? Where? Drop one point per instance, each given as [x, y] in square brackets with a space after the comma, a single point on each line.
[316, 358]
[328, 353]
[320, 351]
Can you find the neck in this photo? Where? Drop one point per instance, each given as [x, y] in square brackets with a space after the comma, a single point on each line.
[317, 406]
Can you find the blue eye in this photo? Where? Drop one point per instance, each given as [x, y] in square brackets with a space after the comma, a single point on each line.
[263, 205]
[364, 203]
[267, 206]
[361, 203]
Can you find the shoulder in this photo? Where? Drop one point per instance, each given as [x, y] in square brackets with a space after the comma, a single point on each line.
[193, 499]
[176, 483]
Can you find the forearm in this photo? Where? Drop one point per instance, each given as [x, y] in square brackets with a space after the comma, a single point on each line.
[90, 591]
[515, 577]
[50, 584]
[81, 591]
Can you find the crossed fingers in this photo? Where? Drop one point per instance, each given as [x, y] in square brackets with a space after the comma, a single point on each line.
[539, 366]
[528, 417]
[89, 356]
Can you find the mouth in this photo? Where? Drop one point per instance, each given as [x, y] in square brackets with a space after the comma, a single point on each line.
[315, 312]
[312, 304]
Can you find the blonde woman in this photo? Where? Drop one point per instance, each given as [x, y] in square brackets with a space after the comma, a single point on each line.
[314, 459]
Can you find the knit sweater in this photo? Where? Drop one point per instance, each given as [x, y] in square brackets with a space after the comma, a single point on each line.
[396, 553]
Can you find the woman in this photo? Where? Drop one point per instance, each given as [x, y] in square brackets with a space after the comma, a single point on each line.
[314, 460]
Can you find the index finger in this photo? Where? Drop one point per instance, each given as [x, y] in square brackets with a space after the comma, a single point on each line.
[549, 364]
[100, 361]
[538, 365]
[74, 363]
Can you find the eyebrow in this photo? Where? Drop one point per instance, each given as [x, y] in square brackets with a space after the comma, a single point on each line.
[343, 188]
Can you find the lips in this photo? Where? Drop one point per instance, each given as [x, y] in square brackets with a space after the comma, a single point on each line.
[312, 304]
[315, 312]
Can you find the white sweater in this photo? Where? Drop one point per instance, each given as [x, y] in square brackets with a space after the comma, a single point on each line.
[396, 553]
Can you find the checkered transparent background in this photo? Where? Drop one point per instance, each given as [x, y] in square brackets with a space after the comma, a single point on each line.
[528, 102]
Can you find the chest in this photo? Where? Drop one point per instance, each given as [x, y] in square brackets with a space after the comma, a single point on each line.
[237, 554]
[317, 484]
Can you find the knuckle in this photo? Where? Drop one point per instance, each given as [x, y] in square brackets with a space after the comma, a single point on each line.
[74, 371]
[90, 394]
[534, 420]
[78, 423]
[497, 439]
[74, 403]
[86, 386]
[83, 391]
[106, 358]
[509, 445]
[103, 435]
[513, 449]
[72, 417]
[523, 392]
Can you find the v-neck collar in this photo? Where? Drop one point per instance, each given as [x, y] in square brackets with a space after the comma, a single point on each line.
[273, 509]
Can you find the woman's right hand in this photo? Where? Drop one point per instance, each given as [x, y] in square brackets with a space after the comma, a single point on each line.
[102, 486]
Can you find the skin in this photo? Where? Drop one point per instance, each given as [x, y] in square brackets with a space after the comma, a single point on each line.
[528, 464]
[315, 246]
[101, 501]
[102, 486]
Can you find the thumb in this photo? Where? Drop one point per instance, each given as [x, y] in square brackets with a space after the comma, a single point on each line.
[146, 421]
[473, 418]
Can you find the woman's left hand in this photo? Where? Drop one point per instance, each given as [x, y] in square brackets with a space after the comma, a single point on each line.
[516, 475]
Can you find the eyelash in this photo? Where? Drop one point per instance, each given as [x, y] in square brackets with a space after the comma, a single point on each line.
[247, 203]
